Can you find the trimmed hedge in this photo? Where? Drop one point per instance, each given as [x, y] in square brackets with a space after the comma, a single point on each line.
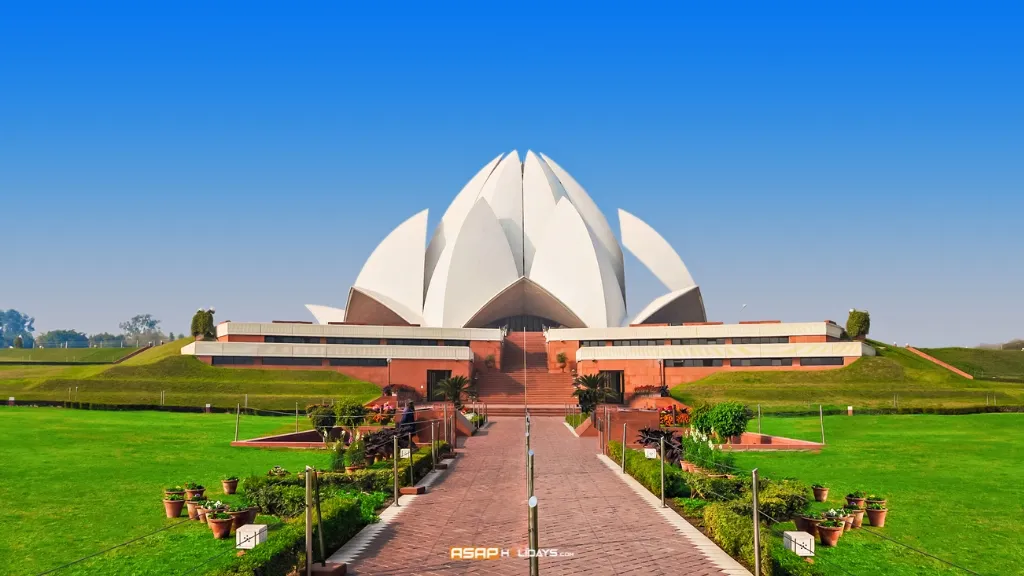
[648, 472]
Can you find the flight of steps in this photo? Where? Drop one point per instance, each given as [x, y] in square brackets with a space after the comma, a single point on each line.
[505, 392]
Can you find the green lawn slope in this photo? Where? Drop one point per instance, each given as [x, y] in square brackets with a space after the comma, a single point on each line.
[64, 355]
[184, 381]
[871, 382]
[980, 363]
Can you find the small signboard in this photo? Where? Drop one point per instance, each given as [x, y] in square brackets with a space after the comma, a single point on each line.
[651, 453]
[403, 452]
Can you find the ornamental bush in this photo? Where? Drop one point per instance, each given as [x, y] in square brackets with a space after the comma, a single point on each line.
[699, 418]
[648, 471]
[858, 324]
[728, 419]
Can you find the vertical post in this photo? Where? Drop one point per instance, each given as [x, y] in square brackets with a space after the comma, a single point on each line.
[623, 447]
[247, 401]
[529, 473]
[527, 457]
[319, 519]
[309, 522]
[607, 427]
[758, 418]
[296, 416]
[821, 419]
[395, 474]
[662, 471]
[757, 525]
[433, 446]
[534, 540]
[445, 405]
[236, 422]
[412, 476]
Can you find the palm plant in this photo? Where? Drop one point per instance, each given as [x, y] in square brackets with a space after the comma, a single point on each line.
[591, 390]
[452, 389]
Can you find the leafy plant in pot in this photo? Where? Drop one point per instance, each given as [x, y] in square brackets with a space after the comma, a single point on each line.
[876, 514]
[809, 523]
[173, 504]
[194, 489]
[820, 492]
[195, 503]
[209, 508]
[855, 499]
[829, 531]
[355, 456]
[229, 484]
[875, 499]
[174, 490]
[220, 523]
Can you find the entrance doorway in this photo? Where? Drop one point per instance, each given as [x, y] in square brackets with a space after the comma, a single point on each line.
[616, 381]
[433, 377]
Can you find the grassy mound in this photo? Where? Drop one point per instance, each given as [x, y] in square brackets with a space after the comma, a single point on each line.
[870, 382]
[991, 364]
[64, 355]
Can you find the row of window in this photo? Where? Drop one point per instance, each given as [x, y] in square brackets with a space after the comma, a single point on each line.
[299, 361]
[693, 363]
[761, 362]
[364, 341]
[710, 362]
[690, 341]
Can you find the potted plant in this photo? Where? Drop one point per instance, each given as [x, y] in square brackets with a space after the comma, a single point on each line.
[876, 514]
[562, 360]
[194, 489]
[194, 503]
[175, 490]
[855, 499]
[838, 515]
[355, 456]
[858, 517]
[230, 484]
[829, 531]
[489, 361]
[875, 499]
[173, 504]
[811, 521]
[820, 492]
[239, 517]
[220, 523]
[210, 508]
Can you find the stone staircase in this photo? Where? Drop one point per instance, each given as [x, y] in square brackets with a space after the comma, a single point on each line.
[524, 378]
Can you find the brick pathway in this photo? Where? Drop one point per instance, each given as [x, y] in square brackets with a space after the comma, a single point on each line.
[584, 509]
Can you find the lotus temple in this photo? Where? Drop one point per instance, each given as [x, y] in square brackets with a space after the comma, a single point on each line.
[520, 286]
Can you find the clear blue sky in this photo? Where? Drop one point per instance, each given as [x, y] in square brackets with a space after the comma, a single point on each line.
[803, 158]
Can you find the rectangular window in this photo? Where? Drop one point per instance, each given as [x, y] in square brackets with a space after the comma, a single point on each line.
[292, 339]
[411, 342]
[698, 341]
[637, 342]
[591, 343]
[762, 340]
[358, 362]
[761, 362]
[233, 360]
[296, 361]
[456, 342]
[693, 363]
[359, 341]
[830, 361]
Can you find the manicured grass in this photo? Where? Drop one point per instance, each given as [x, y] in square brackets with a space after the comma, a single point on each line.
[953, 485]
[981, 363]
[185, 380]
[105, 355]
[75, 482]
[869, 382]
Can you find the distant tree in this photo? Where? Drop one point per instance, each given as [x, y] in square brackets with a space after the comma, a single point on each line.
[19, 342]
[138, 325]
[171, 337]
[14, 324]
[858, 324]
[202, 323]
[106, 340]
[60, 338]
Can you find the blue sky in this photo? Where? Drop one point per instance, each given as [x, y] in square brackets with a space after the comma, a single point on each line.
[803, 158]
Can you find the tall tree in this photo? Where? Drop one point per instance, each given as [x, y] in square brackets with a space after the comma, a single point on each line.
[60, 338]
[14, 324]
[139, 325]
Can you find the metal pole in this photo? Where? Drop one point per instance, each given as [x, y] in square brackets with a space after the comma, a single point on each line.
[395, 454]
[662, 471]
[247, 401]
[528, 458]
[445, 405]
[757, 525]
[412, 477]
[623, 447]
[534, 540]
[758, 418]
[309, 523]
[236, 422]
[821, 418]
[296, 416]
[529, 474]
[608, 427]
[319, 519]
[433, 446]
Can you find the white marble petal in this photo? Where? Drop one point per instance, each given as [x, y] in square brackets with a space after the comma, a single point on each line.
[395, 268]
[541, 192]
[326, 314]
[504, 192]
[655, 253]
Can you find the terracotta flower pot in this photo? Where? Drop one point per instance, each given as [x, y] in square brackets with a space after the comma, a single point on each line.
[193, 510]
[882, 502]
[858, 517]
[801, 524]
[178, 492]
[829, 535]
[877, 517]
[238, 518]
[198, 492]
[820, 494]
[253, 511]
[229, 486]
[173, 508]
[221, 528]
[811, 525]
[201, 512]
[849, 523]
[855, 502]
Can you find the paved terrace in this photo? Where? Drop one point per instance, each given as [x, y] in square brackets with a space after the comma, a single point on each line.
[585, 508]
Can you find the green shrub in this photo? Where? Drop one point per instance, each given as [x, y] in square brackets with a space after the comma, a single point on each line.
[692, 507]
[734, 533]
[714, 489]
[700, 418]
[783, 499]
[322, 417]
[648, 472]
[858, 324]
[728, 419]
[575, 420]
[350, 412]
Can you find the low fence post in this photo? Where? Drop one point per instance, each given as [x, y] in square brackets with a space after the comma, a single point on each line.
[394, 455]
[309, 522]
[433, 447]
[758, 418]
[757, 524]
[319, 519]
[623, 447]
[821, 418]
[412, 476]
[236, 422]
[534, 540]
[296, 417]
[662, 470]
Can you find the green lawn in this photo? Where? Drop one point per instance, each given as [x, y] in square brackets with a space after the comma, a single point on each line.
[869, 382]
[953, 484]
[981, 363]
[75, 482]
[185, 380]
[98, 355]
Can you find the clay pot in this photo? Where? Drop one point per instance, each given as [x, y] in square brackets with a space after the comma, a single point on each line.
[820, 494]
[877, 517]
[201, 512]
[811, 525]
[882, 502]
[829, 535]
[849, 523]
[198, 492]
[229, 486]
[253, 511]
[238, 518]
[173, 508]
[858, 517]
[193, 510]
[221, 528]
[855, 502]
[178, 492]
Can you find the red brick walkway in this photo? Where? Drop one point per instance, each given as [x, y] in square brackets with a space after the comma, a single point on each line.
[584, 509]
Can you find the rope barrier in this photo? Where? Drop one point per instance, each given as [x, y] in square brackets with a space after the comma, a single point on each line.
[84, 558]
[218, 555]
